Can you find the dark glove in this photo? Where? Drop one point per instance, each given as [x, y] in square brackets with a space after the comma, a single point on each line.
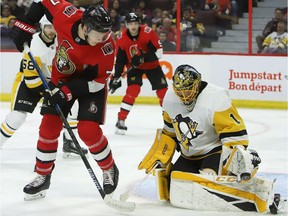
[114, 84]
[22, 32]
[137, 60]
[60, 95]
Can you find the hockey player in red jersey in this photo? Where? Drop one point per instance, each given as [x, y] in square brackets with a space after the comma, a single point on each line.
[81, 66]
[137, 46]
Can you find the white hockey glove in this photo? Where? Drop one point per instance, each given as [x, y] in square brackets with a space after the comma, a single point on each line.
[241, 162]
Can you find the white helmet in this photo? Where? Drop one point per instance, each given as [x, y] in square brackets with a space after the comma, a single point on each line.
[44, 21]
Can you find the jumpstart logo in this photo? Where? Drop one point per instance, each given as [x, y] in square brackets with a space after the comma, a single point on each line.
[255, 81]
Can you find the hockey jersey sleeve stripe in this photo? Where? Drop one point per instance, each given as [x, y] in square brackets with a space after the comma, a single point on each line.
[241, 133]
[33, 83]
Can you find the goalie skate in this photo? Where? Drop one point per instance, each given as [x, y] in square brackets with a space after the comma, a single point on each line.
[36, 189]
[70, 151]
[279, 205]
[120, 127]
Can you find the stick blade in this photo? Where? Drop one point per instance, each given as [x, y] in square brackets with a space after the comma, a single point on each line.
[119, 205]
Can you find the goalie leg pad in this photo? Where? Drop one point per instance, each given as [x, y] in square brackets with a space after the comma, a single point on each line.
[161, 151]
[219, 193]
[162, 176]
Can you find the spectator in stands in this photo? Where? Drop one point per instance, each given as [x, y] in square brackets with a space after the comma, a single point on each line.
[6, 42]
[223, 11]
[270, 27]
[147, 11]
[167, 27]
[190, 31]
[17, 11]
[165, 14]
[167, 45]
[174, 9]
[144, 19]
[116, 19]
[276, 42]
[156, 18]
[6, 15]
[195, 4]
[116, 5]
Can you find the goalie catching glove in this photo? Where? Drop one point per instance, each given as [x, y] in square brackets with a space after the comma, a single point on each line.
[240, 162]
[161, 152]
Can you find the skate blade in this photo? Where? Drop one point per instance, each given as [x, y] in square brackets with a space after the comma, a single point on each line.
[120, 132]
[29, 197]
[72, 156]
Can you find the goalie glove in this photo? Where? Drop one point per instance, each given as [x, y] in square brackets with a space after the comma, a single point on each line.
[161, 152]
[241, 162]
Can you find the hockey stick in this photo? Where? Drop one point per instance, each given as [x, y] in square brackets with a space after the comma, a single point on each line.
[117, 204]
[122, 75]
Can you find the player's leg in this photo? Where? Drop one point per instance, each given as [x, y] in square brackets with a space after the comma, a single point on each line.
[158, 81]
[69, 149]
[134, 82]
[23, 101]
[92, 135]
[47, 144]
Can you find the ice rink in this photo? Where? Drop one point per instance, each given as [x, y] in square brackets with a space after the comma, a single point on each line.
[72, 191]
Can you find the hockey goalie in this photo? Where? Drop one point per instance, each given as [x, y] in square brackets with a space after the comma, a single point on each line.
[215, 170]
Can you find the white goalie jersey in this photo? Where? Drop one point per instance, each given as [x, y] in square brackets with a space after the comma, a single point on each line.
[213, 122]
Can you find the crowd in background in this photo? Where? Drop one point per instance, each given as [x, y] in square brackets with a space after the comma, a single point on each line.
[202, 21]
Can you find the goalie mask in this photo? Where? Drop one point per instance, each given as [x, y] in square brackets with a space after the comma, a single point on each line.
[186, 85]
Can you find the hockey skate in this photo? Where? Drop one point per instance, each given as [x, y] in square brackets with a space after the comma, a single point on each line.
[120, 127]
[69, 149]
[110, 179]
[36, 189]
[279, 205]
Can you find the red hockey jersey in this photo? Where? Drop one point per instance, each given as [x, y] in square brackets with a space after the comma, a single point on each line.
[73, 54]
[146, 39]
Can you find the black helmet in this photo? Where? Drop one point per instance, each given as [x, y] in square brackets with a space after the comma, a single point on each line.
[97, 18]
[132, 17]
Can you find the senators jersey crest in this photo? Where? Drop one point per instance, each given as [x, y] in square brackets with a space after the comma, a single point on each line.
[63, 63]
[133, 50]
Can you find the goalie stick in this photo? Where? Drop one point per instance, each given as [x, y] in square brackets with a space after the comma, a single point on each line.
[109, 201]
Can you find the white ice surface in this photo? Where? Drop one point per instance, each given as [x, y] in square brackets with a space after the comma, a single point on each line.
[72, 191]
